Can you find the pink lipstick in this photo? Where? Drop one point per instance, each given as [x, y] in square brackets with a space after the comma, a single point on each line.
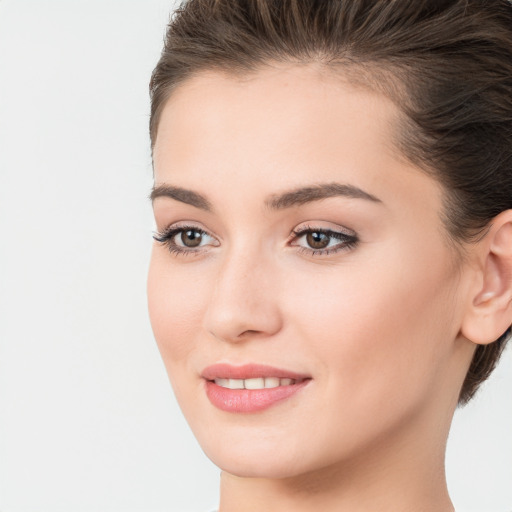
[250, 388]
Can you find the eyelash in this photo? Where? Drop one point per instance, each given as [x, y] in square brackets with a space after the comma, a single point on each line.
[166, 237]
[348, 241]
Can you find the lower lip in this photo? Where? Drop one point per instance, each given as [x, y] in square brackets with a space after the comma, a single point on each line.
[249, 400]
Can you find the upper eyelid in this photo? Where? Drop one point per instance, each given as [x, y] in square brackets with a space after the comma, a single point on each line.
[304, 228]
[184, 225]
[321, 230]
[173, 230]
[328, 230]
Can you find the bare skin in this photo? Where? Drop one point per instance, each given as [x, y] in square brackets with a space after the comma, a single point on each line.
[378, 319]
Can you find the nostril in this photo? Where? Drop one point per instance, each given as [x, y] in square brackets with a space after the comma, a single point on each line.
[249, 331]
[240, 313]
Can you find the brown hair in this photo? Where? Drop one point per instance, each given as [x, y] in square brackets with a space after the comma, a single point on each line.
[447, 64]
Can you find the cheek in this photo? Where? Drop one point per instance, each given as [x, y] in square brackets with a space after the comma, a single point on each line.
[377, 328]
[176, 305]
[377, 350]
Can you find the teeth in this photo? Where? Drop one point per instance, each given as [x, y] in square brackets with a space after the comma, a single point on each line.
[236, 384]
[271, 382]
[255, 383]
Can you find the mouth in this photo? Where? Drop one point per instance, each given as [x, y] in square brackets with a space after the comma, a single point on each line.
[255, 383]
[250, 388]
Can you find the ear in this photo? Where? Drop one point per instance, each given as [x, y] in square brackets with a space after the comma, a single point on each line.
[489, 312]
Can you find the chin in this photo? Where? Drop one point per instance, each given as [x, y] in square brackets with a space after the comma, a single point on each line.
[262, 453]
[251, 452]
[256, 467]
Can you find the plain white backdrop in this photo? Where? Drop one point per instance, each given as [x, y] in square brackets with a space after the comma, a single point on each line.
[88, 421]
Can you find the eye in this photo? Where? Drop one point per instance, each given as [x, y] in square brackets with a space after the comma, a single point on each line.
[323, 241]
[318, 240]
[185, 239]
[189, 238]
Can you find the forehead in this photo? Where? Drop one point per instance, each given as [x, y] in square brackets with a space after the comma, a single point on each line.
[275, 106]
[278, 83]
[279, 127]
[274, 93]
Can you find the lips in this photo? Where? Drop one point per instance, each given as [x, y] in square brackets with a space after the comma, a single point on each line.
[254, 383]
[250, 388]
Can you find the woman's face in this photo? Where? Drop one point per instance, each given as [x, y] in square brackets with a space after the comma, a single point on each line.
[297, 246]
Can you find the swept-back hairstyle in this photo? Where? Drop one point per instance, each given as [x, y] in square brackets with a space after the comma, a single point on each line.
[446, 64]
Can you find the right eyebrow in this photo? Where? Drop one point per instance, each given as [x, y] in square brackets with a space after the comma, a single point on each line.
[181, 194]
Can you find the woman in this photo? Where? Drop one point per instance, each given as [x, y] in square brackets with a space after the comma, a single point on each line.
[332, 272]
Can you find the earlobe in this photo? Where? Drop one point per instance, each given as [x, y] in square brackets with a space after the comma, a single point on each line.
[489, 314]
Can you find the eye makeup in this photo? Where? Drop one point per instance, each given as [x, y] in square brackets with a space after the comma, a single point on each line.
[190, 240]
[184, 239]
[321, 241]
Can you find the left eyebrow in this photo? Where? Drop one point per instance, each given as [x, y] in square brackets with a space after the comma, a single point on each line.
[309, 194]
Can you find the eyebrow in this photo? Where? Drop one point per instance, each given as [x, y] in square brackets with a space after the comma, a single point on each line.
[280, 201]
[308, 194]
[181, 194]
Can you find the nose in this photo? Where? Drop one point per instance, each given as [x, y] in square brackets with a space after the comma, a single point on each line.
[244, 300]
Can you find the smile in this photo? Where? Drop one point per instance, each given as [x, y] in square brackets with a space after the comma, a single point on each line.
[255, 383]
[250, 388]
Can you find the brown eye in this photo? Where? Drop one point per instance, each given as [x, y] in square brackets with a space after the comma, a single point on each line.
[190, 238]
[186, 240]
[320, 242]
[317, 240]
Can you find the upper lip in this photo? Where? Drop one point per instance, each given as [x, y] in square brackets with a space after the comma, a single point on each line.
[248, 371]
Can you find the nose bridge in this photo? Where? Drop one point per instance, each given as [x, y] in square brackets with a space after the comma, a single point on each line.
[244, 296]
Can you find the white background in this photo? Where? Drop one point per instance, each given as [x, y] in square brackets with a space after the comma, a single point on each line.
[87, 418]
